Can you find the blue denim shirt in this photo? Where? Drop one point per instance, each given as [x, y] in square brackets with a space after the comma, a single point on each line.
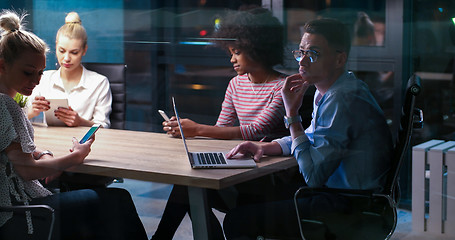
[348, 144]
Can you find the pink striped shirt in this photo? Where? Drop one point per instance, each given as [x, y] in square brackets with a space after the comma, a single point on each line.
[259, 112]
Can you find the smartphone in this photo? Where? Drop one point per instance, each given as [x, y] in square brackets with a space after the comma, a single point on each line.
[164, 115]
[90, 133]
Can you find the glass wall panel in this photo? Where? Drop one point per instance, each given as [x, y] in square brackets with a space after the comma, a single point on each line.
[366, 19]
[433, 48]
[165, 46]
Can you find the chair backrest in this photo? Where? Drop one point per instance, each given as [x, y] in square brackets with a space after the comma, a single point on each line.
[116, 74]
[407, 123]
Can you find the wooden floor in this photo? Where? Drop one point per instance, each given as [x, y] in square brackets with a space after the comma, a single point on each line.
[150, 199]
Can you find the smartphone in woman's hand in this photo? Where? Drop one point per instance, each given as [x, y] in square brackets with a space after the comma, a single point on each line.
[90, 133]
[164, 115]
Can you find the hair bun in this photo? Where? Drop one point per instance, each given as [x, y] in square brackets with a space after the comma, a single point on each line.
[73, 17]
[10, 21]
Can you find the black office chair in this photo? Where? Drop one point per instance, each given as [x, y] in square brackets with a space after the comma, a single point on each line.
[116, 74]
[50, 217]
[375, 216]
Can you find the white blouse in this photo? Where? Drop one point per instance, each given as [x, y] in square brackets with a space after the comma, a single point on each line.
[91, 98]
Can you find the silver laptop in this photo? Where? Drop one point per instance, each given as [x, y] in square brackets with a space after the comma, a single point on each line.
[211, 159]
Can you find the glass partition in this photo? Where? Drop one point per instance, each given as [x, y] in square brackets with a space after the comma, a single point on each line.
[366, 20]
[165, 46]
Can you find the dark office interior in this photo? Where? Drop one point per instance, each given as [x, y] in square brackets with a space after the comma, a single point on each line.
[167, 52]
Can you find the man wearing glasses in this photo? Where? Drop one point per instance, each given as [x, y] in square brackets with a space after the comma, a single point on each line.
[348, 144]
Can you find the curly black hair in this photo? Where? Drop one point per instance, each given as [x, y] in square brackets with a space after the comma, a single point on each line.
[256, 32]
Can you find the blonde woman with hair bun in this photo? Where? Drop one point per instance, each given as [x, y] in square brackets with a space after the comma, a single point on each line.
[73, 28]
[73, 17]
[88, 93]
[82, 214]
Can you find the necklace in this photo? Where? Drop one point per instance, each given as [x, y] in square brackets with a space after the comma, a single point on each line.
[263, 84]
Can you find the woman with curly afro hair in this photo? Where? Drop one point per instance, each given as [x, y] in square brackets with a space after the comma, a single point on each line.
[254, 39]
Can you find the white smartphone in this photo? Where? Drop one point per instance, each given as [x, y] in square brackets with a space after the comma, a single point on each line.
[164, 115]
[90, 133]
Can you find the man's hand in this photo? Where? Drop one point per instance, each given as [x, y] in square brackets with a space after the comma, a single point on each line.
[247, 149]
[292, 92]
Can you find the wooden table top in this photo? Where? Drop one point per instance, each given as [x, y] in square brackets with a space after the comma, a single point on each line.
[153, 157]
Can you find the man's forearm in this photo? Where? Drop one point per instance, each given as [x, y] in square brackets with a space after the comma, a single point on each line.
[272, 148]
[296, 130]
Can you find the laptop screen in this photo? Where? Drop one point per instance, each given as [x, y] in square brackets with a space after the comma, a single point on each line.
[180, 126]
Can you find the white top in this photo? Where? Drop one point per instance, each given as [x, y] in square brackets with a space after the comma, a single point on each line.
[91, 98]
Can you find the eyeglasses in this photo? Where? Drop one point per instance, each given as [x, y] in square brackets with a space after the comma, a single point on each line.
[311, 54]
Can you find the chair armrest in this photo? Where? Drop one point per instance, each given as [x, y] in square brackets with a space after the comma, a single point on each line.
[310, 190]
[350, 192]
[26, 208]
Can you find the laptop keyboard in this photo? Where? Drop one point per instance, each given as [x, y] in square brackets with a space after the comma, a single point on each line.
[211, 158]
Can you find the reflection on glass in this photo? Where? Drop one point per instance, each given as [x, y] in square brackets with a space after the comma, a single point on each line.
[368, 31]
[362, 18]
[382, 87]
[379, 30]
[364, 32]
[203, 89]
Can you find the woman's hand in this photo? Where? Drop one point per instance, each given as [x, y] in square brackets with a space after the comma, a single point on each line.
[81, 150]
[247, 149]
[292, 92]
[189, 127]
[29, 168]
[67, 115]
[51, 178]
[39, 104]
